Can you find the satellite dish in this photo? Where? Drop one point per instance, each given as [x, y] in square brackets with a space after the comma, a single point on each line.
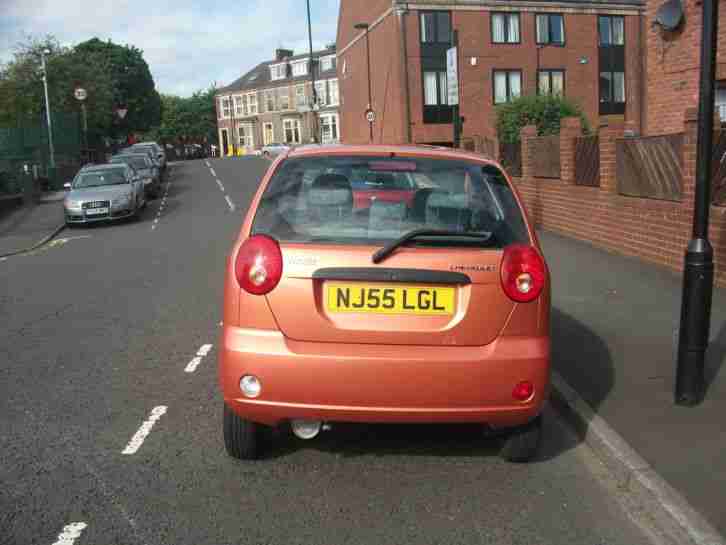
[669, 15]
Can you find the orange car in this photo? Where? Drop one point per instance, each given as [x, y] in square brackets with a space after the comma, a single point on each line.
[430, 309]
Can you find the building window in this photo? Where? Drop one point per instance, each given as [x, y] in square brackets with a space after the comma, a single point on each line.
[611, 30]
[300, 68]
[550, 28]
[226, 107]
[551, 82]
[268, 133]
[278, 71]
[238, 105]
[334, 94]
[329, 128]
[435, 89]
[300, 99]
[435, 27]
[283, 98]
[327, 63]
[505, 28]
[320, 91]
[721, 100]
[252, 99]
[246, 138]
[270, 101]
[612, 89]
[292, 131]
[507, 85]
[245, 105]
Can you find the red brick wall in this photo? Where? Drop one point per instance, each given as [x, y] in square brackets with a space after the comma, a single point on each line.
[673, 62]
[655, 231]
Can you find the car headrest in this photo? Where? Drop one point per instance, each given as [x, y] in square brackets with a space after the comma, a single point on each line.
[330, 190]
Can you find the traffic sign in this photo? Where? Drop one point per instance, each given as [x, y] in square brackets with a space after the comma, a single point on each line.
[452, 76]
[80, 93]
[370, 116]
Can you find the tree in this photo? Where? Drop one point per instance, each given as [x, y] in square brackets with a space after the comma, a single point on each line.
[544, 111]
[193, 117]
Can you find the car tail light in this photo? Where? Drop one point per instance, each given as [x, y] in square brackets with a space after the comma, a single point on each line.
[523, 391]
[523, 273]
[258, 266]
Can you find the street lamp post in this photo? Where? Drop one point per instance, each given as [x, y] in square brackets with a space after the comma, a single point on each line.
[366, 27]
[43, 53]
[314, 128]
[698, 270]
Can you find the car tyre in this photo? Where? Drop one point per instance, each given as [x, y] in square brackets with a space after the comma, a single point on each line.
[242, 438]
[523, 443]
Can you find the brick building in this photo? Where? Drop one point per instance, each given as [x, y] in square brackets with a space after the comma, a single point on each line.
[589, 50]
[273, 103]
[673, 62]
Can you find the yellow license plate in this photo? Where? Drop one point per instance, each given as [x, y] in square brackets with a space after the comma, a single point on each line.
[389, 299]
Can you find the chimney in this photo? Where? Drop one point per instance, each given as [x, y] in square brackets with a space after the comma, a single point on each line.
[281, 54]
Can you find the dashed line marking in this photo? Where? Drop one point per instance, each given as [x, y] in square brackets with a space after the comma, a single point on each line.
[219, 183]
[196, 360]
[70, 533]
[212, 171]
[229, 202]
[138, 439]
[207, 163]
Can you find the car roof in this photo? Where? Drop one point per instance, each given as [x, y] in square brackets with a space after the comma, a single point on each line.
[106, 166]
[438, 152]
[131, 154]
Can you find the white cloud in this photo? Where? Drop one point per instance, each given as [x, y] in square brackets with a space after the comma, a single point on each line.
[188, 44]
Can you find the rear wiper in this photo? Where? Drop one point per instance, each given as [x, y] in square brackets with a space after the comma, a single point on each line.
[389, 248]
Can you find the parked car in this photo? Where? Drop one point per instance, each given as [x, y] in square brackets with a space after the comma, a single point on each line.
[158, 151]
[434, 312]
[102, 193]
[275, 149]
[193, 151]
[144, 167]
[149, 150]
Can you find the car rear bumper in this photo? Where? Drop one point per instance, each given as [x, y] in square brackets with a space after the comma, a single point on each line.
[374, 383]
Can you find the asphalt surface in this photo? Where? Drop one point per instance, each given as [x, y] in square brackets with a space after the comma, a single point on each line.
[99, 327]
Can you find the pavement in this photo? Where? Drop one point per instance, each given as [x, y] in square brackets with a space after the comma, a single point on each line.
[100, 327]
[26, 226]
[615, 326]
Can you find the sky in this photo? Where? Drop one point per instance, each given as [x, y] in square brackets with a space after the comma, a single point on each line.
[188, 44]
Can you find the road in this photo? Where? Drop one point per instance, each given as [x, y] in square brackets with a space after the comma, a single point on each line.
[110, 416]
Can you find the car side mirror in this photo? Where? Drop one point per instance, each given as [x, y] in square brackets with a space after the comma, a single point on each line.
[67, 186]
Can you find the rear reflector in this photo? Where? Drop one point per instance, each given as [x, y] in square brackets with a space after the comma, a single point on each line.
[522, 273]
[258, 267]
[523, 391]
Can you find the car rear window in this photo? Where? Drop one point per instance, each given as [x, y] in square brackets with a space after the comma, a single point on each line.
[375, 199]
[136, 162]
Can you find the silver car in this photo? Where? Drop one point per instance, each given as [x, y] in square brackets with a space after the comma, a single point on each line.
[157, 151]
[102, 193]
[275, 149]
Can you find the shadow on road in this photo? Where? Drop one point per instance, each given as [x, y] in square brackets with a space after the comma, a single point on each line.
[715, 356]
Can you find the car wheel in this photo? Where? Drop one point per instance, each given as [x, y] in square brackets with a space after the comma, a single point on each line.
[242, 438]
[523, 443]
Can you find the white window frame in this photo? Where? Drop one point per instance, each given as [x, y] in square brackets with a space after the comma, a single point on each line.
[225, 107]
[300, 68]
[246, 134]
[322, 97]
[271, 93]
[283, 93]
[328, 60]
[264, 133]
[238, 111]
[252, 99]
[334, 91]
[298, 95]
[330, 120]
[278, 71]
[508, 79]
[292, 124]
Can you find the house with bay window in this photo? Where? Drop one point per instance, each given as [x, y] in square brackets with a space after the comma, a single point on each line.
[277, 102]
[587, 50]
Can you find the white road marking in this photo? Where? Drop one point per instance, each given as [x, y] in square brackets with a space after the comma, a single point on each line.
[204, 350]
[192, 365]
[229, 202]
[70, 533]
[212, 171]
[138, 439]
[219, 183]
[207, 163]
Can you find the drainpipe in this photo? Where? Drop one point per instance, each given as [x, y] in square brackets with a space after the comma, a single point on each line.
[643, 75]
[401, 12]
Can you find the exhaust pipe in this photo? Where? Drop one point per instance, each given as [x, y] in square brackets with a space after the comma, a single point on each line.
[306, 429]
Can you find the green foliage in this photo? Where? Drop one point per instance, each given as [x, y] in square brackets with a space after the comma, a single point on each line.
[544, 111]
[193, 118]
[112, 74]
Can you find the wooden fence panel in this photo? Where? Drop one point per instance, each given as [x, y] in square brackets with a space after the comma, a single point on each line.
[587, 161]
[510, 156]
[546, 156]
[651, 167]
[718, 169]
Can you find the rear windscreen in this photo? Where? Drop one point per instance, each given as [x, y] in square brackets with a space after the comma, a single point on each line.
[374, 199]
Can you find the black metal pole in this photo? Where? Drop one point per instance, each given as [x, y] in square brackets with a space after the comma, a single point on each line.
[456, 117]
[314, 128]
[370, 95]
[698, 272]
